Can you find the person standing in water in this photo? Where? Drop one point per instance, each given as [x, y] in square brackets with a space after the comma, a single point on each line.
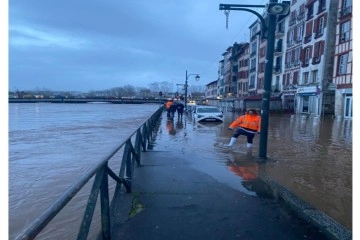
[247, 125]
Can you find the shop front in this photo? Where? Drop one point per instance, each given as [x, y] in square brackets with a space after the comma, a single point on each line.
[309, 100]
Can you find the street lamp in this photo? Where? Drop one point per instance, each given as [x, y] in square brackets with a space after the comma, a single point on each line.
[197, 78]
[273, 9]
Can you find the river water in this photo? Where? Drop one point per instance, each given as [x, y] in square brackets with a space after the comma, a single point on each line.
[52, 145]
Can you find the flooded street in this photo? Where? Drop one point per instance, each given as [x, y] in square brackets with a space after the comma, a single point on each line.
[311, 157]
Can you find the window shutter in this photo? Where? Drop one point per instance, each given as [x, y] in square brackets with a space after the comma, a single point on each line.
[302, 55]
[316, 25]
[316, 49]
[293, 55]
[322, 47]
[283, 79]
[295, 33]
[295, 77]
[325, 19]
[309, 26]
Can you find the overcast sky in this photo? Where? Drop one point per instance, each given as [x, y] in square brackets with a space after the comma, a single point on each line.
[78, 45]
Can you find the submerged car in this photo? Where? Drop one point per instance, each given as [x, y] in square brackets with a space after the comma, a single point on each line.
[208, 114]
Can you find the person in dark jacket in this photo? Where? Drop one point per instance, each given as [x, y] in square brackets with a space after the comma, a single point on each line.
[180, 109]
[172, 109]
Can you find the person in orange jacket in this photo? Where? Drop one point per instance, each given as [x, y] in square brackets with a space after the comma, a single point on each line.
[167, 106]
[247, 125]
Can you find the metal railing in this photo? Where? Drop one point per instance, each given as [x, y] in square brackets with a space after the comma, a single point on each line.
[142, 138]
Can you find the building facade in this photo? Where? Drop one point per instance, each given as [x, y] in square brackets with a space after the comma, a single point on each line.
[312, 72]
[342, 71]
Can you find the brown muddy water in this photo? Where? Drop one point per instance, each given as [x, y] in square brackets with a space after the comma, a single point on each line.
[311, 157]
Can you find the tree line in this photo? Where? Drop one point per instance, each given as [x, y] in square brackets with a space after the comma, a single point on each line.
[126, 91]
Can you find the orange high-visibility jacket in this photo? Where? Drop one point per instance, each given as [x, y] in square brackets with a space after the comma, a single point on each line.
[168, 104]
[252, 122]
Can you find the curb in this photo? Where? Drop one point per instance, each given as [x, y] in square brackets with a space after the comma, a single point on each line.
[326, 224]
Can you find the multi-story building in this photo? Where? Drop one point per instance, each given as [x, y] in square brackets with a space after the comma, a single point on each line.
[253, 61]
[211, 90]
[243, 71]
[312, 60]
[261, 66]
[227, 72]
[342, 71]
[221, 74]
[314, 93]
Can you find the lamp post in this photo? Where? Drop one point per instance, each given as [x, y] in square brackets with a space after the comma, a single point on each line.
[273, 9]
[197, 78]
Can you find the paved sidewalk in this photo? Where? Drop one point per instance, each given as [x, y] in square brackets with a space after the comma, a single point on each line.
[173, 201]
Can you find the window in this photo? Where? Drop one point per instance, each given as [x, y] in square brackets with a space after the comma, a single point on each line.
[307, 55]
[342, 64]
[346, 4]
[277, 83]
[322, 6]
[252, 81]
[321, 25]
[297, 55]
[253, 64]
[306, 77]
[314, 76]
[253, 48]
[345, 32]
[291, 37]
[254, 31]
[300, 32]
[310, 12]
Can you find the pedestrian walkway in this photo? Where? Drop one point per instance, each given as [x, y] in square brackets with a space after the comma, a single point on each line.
[172, 200]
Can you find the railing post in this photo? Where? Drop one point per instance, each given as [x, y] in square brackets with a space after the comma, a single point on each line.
[105, 209]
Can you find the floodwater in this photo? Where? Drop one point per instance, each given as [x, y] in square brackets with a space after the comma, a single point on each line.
[311, 157]
[52, 145]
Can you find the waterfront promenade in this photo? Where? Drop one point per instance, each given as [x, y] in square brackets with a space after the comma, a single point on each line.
[171, 199]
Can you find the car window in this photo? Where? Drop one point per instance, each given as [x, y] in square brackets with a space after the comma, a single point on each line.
[208, 110]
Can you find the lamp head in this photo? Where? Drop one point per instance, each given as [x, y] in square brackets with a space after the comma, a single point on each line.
[197, 77]
[278, 8]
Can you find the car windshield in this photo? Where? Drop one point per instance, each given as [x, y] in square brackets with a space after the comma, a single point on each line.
[208, 110]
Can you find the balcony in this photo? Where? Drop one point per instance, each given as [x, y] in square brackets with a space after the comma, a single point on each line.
[344, 12]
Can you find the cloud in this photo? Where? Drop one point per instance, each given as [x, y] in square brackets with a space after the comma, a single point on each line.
[96, 44]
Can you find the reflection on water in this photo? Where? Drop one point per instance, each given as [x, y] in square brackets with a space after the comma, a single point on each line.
[312, 157]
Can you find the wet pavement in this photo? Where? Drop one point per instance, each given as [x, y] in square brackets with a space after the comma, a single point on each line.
[191, 186]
